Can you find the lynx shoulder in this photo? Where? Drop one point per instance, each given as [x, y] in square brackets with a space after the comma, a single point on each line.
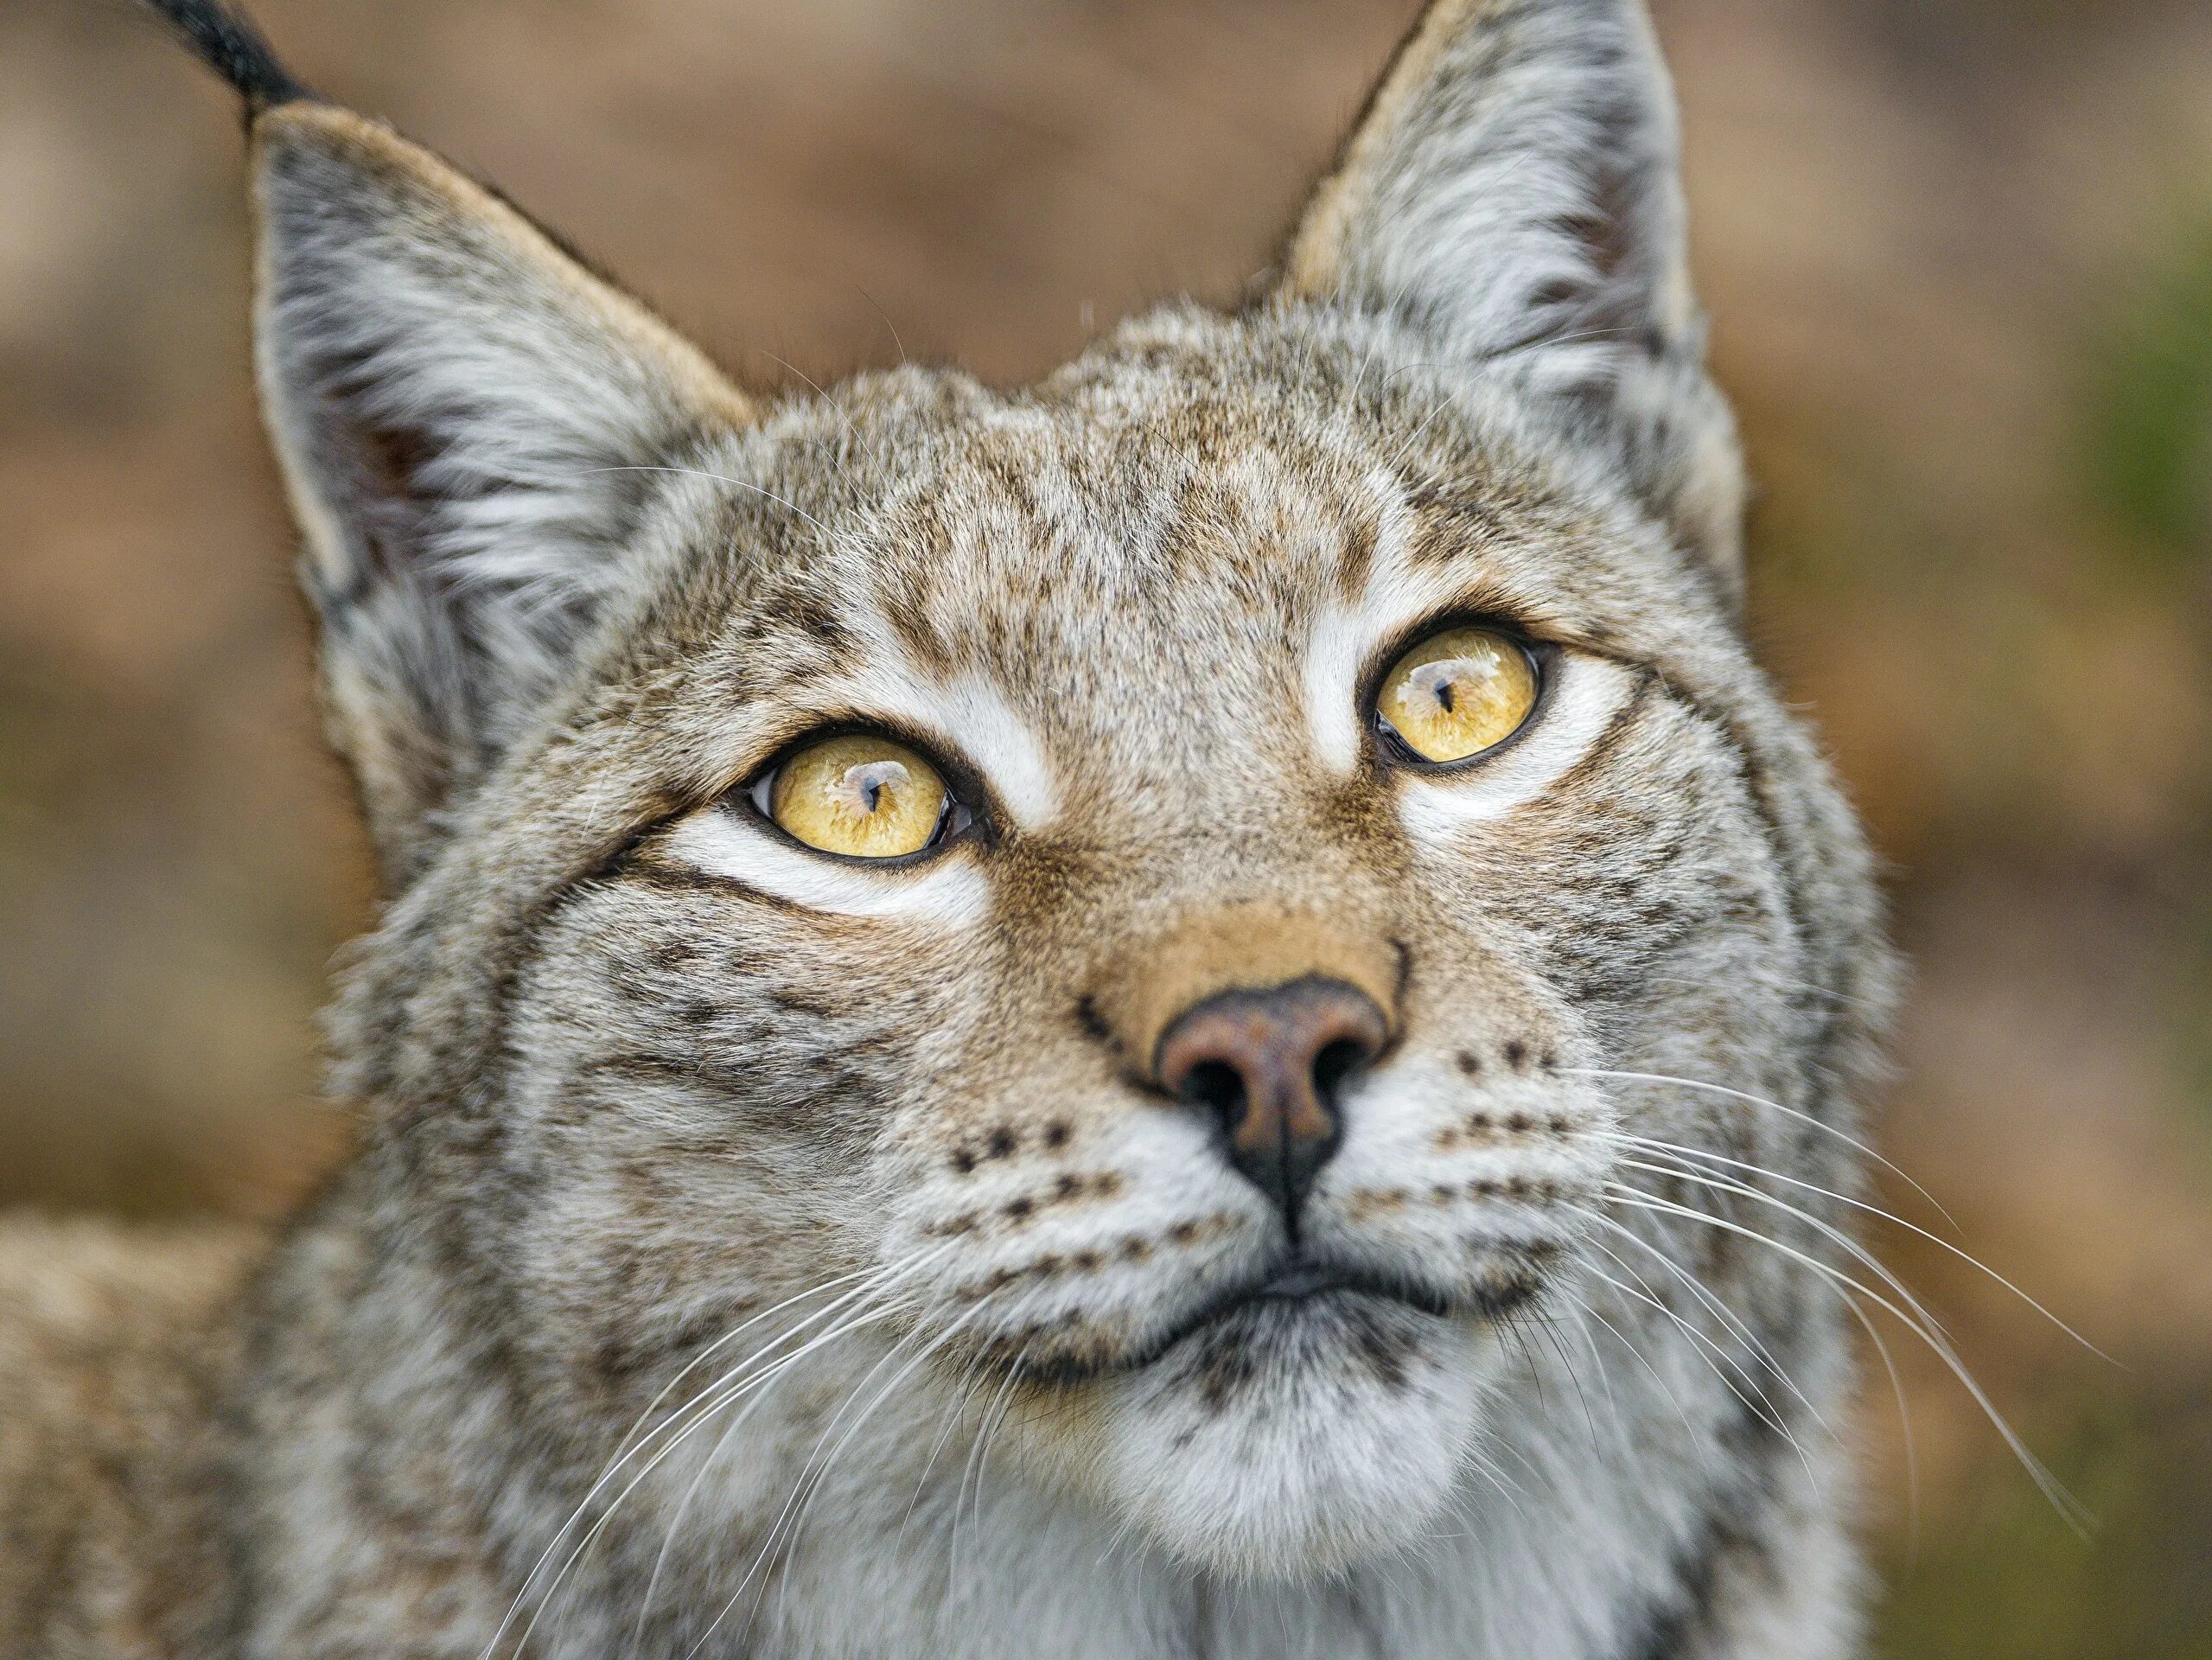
[116, 1345]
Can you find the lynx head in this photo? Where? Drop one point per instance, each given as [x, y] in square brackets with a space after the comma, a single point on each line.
[1145, 886]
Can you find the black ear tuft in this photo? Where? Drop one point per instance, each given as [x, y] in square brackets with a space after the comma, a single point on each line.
[234, 48]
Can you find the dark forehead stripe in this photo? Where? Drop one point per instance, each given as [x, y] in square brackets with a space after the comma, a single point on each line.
[906, 594]
[1355, 568]
[814, 616]
[1448, 523]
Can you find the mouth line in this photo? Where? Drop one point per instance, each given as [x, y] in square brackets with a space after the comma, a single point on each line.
[1293, 1282]
[1301, 1282]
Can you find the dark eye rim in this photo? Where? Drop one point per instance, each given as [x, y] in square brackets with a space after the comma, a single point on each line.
[1393, 751]
[965, 815]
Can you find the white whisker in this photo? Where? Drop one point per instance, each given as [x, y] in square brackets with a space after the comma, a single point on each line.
[2069, 1509]
[1715, 1358]
[1711, 1300]
[1871, 1210]
[624, 1450]
[1850, 1142]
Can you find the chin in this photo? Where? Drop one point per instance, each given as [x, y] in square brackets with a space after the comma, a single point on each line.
[1292, 1440]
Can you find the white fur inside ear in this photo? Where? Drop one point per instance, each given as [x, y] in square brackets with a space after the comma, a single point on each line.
[403, 310]
[947, 892]
[1516, 188]
[1584, 696]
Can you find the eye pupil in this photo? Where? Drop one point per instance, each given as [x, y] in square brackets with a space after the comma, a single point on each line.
[871, 782]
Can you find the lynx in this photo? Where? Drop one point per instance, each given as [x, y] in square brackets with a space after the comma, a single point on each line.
[1205, 1009]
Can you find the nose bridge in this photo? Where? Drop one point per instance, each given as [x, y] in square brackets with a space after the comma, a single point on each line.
[1253, 946]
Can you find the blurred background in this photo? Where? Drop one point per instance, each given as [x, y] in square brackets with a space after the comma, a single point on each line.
[1959, 254]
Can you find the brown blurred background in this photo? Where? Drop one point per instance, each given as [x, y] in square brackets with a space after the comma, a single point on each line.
[1960, 257]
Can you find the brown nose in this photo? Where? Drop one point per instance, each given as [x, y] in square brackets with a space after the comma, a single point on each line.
[1268, 1065]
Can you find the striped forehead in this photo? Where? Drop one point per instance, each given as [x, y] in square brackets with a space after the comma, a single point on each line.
[1258, 579]
[1061, 602]
[1179, 590]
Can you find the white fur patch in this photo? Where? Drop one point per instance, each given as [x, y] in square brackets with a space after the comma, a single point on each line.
[969, 714]
[1584, 696]
[947, 891]
[1339, 642]
[1344, 636]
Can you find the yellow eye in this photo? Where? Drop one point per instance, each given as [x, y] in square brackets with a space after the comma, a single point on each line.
[861, 796]
[1458, 693]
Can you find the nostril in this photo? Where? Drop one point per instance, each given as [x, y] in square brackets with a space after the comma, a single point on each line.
[1217, 1087]
[1266, 1065]
[1336, 1063]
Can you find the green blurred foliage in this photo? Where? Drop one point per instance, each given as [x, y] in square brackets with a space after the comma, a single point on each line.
[2149, 440]
[2000, 1576]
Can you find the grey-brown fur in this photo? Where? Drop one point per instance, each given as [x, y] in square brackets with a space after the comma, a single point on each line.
[634, 1072]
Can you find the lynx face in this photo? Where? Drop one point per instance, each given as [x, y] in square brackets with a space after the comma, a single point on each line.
[1137, 623]
[1137, 629]
[1140, 915]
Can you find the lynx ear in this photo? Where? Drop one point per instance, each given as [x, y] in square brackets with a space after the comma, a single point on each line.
[467, 420]
[1515, 193]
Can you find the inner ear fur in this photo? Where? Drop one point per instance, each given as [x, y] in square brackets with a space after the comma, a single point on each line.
[467, 419]
[1514, 195]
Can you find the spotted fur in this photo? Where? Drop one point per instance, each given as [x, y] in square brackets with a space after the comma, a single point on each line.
[757, 1253]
